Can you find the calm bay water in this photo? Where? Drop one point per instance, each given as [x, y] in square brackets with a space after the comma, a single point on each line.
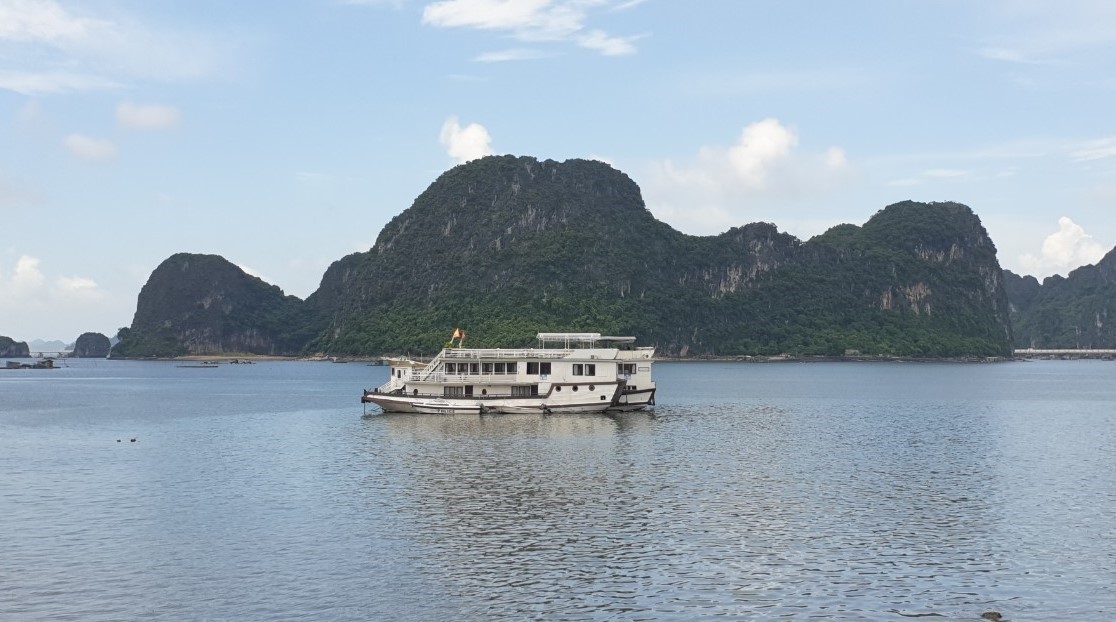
[827, 491]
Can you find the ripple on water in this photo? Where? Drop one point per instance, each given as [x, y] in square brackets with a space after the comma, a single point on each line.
[770, 502]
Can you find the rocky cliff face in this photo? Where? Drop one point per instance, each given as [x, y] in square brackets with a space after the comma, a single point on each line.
[203, 304]
[1076, 311]
[509, 246]
[91, 345]
[11, 348]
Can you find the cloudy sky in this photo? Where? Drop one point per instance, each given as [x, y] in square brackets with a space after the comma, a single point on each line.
[284, 135]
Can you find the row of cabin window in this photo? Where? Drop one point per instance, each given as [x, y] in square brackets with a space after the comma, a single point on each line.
[534, 368]
[488, 368]
[467, 391]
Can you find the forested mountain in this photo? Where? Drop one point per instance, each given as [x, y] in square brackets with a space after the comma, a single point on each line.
[11, 348]
[203, 304]
[91, 345]
[509, 246]
[1076, 311]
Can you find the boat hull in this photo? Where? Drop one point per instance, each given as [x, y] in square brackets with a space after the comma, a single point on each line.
[477, 406]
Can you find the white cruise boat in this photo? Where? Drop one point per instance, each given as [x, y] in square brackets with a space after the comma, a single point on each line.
[568, 372]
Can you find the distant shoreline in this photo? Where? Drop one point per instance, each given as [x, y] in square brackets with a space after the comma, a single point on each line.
[779, 358]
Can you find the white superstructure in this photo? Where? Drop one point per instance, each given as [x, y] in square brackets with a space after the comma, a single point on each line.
[568, 372]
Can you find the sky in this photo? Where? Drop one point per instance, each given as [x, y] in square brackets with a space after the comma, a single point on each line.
[285, 135]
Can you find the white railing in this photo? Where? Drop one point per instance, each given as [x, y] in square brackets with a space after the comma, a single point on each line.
[465, 378]
[501, 353]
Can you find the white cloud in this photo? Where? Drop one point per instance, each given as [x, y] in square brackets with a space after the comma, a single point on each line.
[27, 277]
[607, 45]
[28, 284]
[90, 149]
[1042, 32]
[630, 4]
[1066, 249]
[32, 301]
[533, 20]
[761, 146]
[1094, 150]
[42, 20]
[757, 177]
[1011, 56]
[149, 117]
[465, 143]
[509, 55]
[77, 288]
[51, 49]
[252, 272]
[52, 82]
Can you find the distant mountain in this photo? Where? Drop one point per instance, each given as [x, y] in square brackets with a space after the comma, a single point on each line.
[203, 304]
[508, 246]
[13, 349]
[38, 345]
[91, 345]
[1076, 311]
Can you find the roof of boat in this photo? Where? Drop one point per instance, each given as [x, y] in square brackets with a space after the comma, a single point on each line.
[587, 338]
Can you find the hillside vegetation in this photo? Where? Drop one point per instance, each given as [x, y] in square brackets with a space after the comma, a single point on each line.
[1075, 311]
[508, 246]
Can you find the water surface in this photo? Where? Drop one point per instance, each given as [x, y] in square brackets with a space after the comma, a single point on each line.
[829, 490]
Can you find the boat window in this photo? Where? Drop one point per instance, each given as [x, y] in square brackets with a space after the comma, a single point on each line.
[544, 368]
[627, 368]
[451, 368]
[575, 387]
[578, 369]
[469, 390]
[590, 369]
[474, 368]
[453, 391]
[488, 367]
[592, 388]
[532, 368]
[513, 368]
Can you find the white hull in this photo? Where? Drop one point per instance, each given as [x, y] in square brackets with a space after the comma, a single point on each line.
[480, 406]
[582, 373]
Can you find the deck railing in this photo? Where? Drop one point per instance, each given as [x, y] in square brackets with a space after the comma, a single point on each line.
[502, 353]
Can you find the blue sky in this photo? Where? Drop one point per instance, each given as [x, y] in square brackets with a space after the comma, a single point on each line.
[284, 135]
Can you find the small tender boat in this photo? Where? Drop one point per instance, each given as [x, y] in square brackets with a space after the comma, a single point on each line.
[567, 372]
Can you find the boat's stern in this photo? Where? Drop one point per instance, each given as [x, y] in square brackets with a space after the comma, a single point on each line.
[633, 370]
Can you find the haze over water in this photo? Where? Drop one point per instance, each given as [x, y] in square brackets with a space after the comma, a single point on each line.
[834, 491]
